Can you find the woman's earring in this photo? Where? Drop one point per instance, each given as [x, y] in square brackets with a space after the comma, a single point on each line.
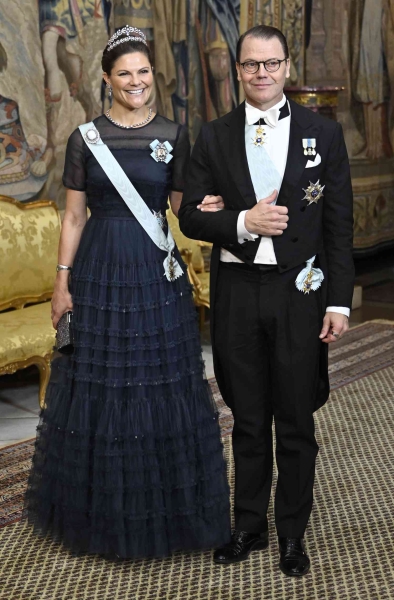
[109, 87]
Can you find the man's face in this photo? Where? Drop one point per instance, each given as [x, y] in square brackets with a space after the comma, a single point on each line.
[263, 89]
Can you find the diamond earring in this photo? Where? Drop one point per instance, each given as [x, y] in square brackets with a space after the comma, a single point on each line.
[109, 87]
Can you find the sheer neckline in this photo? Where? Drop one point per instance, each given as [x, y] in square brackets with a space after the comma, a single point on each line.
[80, 171]
[129, 128]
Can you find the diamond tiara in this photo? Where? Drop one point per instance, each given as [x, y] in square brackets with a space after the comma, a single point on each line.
[127, 31]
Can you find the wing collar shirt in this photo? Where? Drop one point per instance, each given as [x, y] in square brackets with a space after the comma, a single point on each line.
[276, 144]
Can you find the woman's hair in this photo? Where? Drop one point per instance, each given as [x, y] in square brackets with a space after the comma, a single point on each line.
[124, 41]
[264, 32]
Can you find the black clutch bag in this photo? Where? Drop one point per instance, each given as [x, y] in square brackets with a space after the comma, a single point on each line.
[64, 334]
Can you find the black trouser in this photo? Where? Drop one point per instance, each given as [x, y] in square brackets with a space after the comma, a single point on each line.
[266, 338]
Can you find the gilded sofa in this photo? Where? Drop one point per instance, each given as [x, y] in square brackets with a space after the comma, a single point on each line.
[191, 252]
[29, 236]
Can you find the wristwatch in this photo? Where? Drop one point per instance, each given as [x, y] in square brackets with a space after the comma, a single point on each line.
[62, 268]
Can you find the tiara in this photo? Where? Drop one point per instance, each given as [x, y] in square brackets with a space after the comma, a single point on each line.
[127, 31]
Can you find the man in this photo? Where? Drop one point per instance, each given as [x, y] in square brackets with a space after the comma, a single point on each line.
[270, 335]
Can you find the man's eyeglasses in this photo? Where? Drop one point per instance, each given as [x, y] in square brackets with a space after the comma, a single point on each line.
[271, 65]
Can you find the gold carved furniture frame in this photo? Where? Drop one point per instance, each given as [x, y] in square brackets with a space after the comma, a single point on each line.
[29, 235]
[192, 254]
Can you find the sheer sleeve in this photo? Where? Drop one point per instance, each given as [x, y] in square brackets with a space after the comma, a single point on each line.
[74, 175]
[181, 154]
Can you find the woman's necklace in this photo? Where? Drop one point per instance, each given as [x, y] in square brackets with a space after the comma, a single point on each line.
[148, 118]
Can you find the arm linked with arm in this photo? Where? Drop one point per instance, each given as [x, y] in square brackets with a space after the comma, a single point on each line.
[219, 227]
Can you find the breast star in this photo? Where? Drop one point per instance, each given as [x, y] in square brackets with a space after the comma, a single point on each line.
[313, 192]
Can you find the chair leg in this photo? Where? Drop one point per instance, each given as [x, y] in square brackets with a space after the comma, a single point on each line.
[44, 366]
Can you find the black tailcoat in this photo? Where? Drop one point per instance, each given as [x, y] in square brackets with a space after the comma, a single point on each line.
[219, 166]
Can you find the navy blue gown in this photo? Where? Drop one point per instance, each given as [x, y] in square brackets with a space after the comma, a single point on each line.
[128, 459]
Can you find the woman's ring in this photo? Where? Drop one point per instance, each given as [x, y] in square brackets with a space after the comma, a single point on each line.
[335, 334]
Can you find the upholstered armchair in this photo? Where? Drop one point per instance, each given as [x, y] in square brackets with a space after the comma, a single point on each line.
[191, 252]
[29, 237]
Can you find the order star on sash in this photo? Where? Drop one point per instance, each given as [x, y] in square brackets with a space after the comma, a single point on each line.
[259, 138]
[313, 192]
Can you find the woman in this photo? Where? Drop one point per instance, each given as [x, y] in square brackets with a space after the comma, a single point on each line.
[128, 457]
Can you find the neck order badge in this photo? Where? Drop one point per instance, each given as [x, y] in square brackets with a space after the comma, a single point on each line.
[259, 138]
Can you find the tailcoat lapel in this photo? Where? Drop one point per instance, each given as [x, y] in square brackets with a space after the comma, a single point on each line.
[233, 146]
[301, 126]
[235, 151]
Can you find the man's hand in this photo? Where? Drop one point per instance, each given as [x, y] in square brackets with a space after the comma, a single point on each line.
[266, 218]
[333, 323]
[211, 204]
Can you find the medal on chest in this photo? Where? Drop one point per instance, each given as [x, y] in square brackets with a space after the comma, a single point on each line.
[260, 137]
[161, 151]
[309, 145]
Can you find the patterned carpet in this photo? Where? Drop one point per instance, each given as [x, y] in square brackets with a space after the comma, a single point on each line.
[364, 350]
[349, 537]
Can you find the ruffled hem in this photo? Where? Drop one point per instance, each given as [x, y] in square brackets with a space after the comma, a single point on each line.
[132, 479]
[133, 332]
[128, 457]
[135, 382]
[126, 308]
[149, 345]
[113, 364]
[154, 538]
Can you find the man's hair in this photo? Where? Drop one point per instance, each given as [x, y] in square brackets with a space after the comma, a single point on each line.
[264, 32]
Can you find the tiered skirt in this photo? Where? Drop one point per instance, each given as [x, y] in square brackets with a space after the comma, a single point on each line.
[128, 459]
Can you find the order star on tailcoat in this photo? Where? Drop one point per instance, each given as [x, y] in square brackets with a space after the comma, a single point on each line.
[219, 166]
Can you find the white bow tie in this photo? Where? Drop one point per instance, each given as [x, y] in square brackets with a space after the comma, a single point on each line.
[271, 116]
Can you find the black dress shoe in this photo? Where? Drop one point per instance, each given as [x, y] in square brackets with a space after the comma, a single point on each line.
[294, 561]
[241, 545]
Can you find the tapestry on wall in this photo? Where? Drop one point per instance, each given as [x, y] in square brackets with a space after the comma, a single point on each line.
[51, 78]
[50, 82]
[352, 47]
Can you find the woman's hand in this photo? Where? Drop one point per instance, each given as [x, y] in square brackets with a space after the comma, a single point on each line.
[211, 204]
[61, 303]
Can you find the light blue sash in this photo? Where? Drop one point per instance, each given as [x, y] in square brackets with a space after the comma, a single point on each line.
[133, 200]
[266, 179]
[264, 175]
